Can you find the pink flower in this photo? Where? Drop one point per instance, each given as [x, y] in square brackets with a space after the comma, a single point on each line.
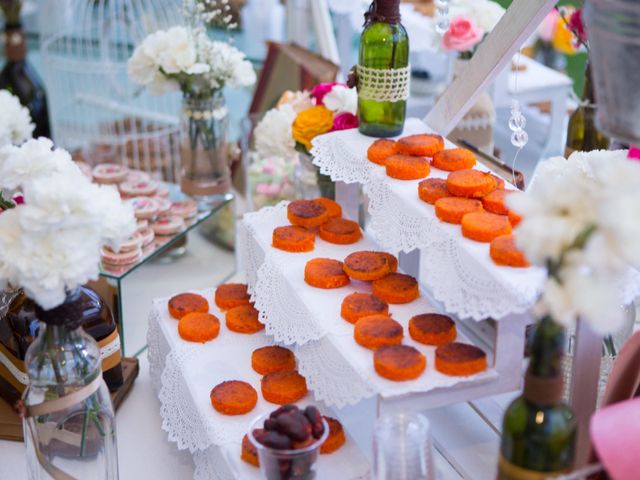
[320, 90]
[547, 29]
[18, 199]
[634, 153]
[268, 189]
[577, 26]
[345, 121]
[463, 35]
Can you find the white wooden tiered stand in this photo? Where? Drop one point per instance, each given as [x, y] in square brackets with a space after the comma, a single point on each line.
[492, 57]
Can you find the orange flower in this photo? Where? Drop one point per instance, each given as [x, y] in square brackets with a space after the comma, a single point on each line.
[310, 123]
[563, 38]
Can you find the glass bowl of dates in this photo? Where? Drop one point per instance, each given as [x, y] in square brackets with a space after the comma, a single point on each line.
[288, 441]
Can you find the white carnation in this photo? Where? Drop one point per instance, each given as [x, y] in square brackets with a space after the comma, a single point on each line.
[33, 159]
[51, 244]
[15, 121]
[342, 100]
[177, 50]
[273, 137]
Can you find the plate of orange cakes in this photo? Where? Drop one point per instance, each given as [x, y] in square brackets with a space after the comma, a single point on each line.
[473, 266]
[342, 304]
[216, 381]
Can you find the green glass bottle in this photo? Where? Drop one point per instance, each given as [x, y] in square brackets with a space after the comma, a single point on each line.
[582, 134]
[539, 430]
[383, 71]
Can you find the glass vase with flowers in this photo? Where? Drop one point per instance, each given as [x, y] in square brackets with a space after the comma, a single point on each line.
[49, 246]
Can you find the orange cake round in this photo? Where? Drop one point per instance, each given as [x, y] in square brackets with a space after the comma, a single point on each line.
[244, 319]
[340, 231]
[358, 305]
[249, 451]
[484, 226]
[366, 266]
[423, 145]
[494, 202]
[271, 359]
[514, 218]
[336, 436]
[505, 252]
[460, 359]
[470, 183]
[334, 210]
[393, 261]
[198, 327]
[232, 295]
[234, 397]
[292, 238]
[432, 329]
[185, 303]
[377, 331]
[285, 386]
[432, 189]
[399, 362]
[325, 273]
[454, 159]
[499, 181]
[405, 167]
[452, 209]
[307, 213]
[381, 149]
[396, 288]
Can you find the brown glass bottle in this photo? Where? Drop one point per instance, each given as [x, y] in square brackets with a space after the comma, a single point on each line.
[582, 134]
[19, 327]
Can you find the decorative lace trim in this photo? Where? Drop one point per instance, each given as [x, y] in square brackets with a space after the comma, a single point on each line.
[456, 278]
[110, 348]
[384, 85]
[211, 465]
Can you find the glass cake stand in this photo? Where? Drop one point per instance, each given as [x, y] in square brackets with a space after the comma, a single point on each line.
[163, 248]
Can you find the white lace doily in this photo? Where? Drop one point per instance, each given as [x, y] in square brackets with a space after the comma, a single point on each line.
[458, 271]
[185, 372]
[337, 369]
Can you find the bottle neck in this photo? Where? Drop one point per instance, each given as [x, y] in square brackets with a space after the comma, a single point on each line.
[386, 11]
[15, 43]
[588, 95]
[544, 382]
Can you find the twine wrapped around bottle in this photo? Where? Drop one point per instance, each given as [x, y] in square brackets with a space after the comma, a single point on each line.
[383, 85]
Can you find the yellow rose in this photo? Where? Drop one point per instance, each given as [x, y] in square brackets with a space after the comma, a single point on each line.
[563, 40]
[310, 123]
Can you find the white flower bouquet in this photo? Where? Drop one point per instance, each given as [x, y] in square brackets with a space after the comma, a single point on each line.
[580, 222]
[15, 122]
[186, 59]
[50, 241]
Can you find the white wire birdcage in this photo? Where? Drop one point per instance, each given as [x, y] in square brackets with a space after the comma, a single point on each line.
[96, 111]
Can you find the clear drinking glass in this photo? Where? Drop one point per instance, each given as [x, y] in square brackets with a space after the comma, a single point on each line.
[614, 55]
[402, 448]
[287, 464]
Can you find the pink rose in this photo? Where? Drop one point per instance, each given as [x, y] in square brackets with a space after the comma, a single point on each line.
[577, 26]
[463, 35]
[547, 29]
[634, 153]
[18, 199]
[345, 121]
[320, 90]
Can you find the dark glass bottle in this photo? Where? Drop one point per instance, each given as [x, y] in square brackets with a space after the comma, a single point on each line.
[539, 430]
[19, 328]
[20, 78]
[582, 134]
[384, 45]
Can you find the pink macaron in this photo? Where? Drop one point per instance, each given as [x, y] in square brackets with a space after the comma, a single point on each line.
[144, 208]
[109, 257]
[168, 225]
[109, 173]
[147, 235]
[185, 209]
[138, 189]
